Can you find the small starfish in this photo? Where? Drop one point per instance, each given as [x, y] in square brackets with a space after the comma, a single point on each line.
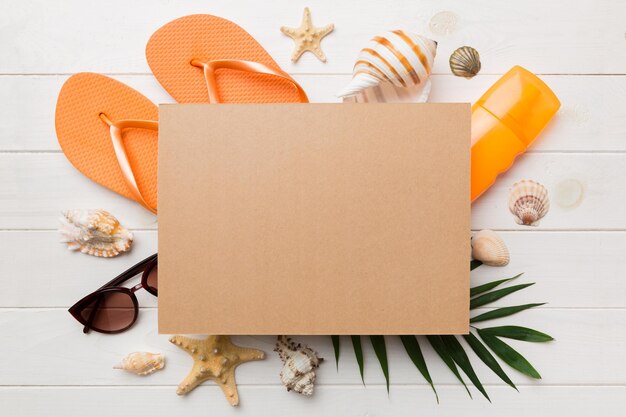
[307, 37]
[215, 358]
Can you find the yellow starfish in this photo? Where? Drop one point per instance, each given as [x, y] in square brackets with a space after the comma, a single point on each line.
[307, 37]
[215, 358]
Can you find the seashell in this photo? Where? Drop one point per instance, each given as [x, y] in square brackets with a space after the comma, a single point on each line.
[528, 201]
[465, 62]
[398, 57]
[95, 232]
[489, 248]
[300, 363]
[141, 363]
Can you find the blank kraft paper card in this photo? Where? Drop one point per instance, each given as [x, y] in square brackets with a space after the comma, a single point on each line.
[314, 218]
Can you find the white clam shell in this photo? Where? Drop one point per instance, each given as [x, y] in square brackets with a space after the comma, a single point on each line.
[489, 248]
[528, 202]
[400, 58]
[94, 232]
[142, 363]
[299, 365]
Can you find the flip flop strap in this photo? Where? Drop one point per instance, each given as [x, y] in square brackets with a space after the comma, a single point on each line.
[239, 65]
[116, 129]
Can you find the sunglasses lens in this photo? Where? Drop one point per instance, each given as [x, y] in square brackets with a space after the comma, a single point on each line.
[153, 279]
[111, 311]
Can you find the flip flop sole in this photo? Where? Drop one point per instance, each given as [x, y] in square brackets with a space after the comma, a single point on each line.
[85, 139]
[204, 37]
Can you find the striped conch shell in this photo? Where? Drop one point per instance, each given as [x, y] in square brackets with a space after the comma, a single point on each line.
[401, 58]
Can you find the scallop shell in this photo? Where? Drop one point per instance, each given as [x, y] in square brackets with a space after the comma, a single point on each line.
[299, 365]
[490, 249]
[528, 201]
[142, 363]
[398, 57]
[95, 232]
[465, 62]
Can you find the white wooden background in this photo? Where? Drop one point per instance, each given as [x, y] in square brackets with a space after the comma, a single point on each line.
[577, 256]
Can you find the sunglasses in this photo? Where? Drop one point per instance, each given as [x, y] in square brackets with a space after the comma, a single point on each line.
[112, 308]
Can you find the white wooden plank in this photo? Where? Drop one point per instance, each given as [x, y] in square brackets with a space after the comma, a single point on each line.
[47, 347]
[592, 117]
[564, 266]
[587, 191]
[327, 401]
[37, 188]
[58, 277]
[555, 37]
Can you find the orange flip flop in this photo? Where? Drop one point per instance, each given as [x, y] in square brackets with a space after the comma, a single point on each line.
[203, 58]
[108, 131]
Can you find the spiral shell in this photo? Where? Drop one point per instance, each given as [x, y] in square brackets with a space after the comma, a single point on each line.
[399, 57]
[528, 201]
[141, 363]
[94, 232]
[299, 365]
[465, 62]
[490, 249]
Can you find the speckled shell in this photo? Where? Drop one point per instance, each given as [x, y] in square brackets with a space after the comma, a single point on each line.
[94, 232]
[299, 365]
[529, 202]
[399, 57]
[490, 249]
[465, 62]
[141, 363]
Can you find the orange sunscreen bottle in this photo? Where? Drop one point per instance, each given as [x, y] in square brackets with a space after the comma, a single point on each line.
[505, 121]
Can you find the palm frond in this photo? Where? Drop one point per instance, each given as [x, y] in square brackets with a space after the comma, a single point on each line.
[335, 340]
[437, 343]
[378, 343]
[518, 333]
[358, 352]
[492, 296]
[412, 347]
[503, 312]
[453, 353]
[458, 355]
[509, 355]
[484, 355]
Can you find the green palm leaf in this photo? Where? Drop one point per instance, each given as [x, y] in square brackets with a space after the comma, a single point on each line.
[335, 340]
[458, 355]
[378, 343]
[474, 264]
[490, 285]
[483, 353]
[503, 312]
[412, 347]
[452, 352]
[509, 355]
[358, 352]
[492, 296]
[442, 351]
[518, 333]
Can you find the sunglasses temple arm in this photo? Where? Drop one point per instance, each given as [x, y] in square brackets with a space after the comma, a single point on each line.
[129, 273]
[92, 316]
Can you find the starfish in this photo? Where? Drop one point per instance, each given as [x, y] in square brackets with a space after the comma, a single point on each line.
[307, 37]
[215, 358]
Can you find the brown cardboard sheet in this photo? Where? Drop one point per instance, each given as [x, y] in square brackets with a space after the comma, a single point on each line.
[314, 219]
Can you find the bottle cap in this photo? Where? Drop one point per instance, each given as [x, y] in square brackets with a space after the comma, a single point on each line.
[522, 102]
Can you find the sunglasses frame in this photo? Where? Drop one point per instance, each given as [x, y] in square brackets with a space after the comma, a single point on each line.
[114, 286]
